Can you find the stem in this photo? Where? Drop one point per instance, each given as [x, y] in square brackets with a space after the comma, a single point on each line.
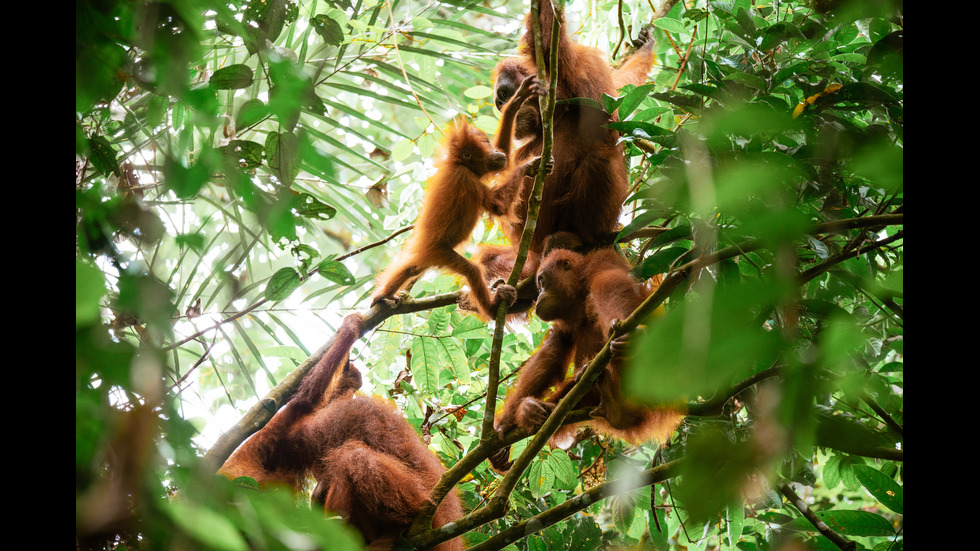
[797, 502]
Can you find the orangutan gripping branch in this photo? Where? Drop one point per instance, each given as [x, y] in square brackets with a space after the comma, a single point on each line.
[583, 296]
[455, 198]
[369, 464]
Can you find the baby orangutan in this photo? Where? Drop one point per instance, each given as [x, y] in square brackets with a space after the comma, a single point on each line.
[455, 198]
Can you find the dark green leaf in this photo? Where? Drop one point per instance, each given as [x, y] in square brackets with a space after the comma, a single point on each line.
[264, 20]
[847, 523]
[98, 68]
[883, 487]
[328, 29]
[282, 284]
[641, 221]
[678, 99]
[232, 77]
[103, 156]
[682, 231]
[185, 182]
[777, 34]
[282, 151]
[659, 262]
[243, 153]
[335, 272]
[639, 129]
[632, 99]
[250, 112]
[309, 207]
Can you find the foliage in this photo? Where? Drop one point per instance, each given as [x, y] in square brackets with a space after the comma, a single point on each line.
[235, 160]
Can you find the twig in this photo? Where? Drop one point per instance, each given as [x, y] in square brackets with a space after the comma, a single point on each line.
[797, 502]
[622, 29]
[883, 414]
[262, 301]
[420, 532]
[577, 503]
[546, 108]
[401, 65]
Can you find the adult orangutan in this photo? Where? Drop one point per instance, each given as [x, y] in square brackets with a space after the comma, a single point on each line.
[369, 464]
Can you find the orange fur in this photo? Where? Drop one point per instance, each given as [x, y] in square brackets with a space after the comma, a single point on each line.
[637, 66]
[584, 296]
[455, 198]
[369, 463]
[585, 191]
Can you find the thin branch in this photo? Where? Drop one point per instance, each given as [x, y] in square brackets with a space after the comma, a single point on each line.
[375, 244]
[401, 65]
[546, 108]
[833, 261]
[420, 532]
[891, 422]
[715, 404]
[622, 29]
[577, 503]
[800, 505]
[260, 413]
[262, 301]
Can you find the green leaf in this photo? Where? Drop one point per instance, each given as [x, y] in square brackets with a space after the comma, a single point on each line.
[747, 79]
[677, 233]
[883, 487]
[426, 365]
[310, 207]
[478, 92]
[244, 154]
[250, 113]
[232, 77]
[246, 482]
[641, 221]
[282, 151]
[632, 99]
[454, 356]
[831, 471]
[89, 290]
[847, 523]
[728, 345]
[402, 150]
[185, 182]
[206, 526]
[470, 327]
[282, 284]
[263, 21]
[564, 468]
[329, 29]
[98, 72]
[735, 517]
[659, 262]
[670, 25]
[639, 129]
[541, 478]
[102, 155]
[336, 272]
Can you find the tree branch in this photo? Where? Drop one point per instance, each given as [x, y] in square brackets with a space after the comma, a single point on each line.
[577, 503]
[260, 413]
[797, 502]
[420, 532]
